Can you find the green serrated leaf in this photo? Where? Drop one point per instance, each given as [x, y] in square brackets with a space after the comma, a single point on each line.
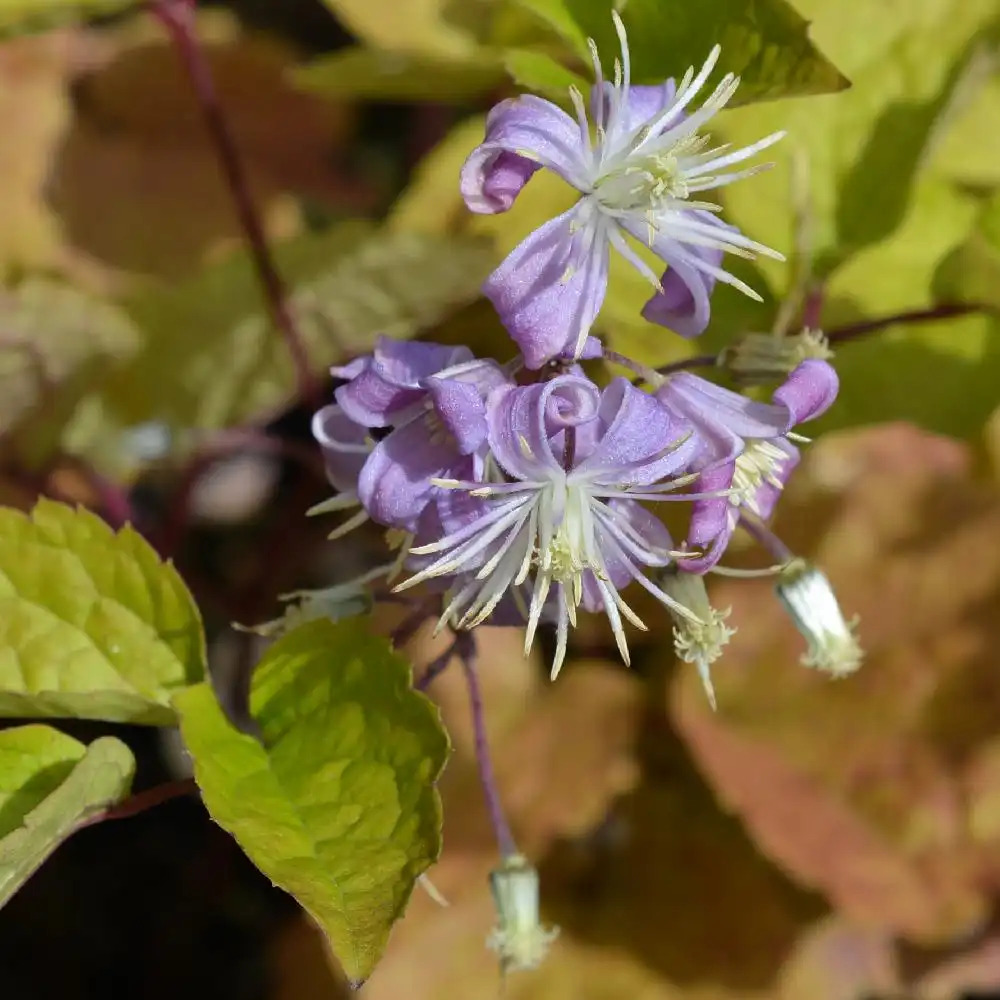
[34, 760]
[92, 624]
[429, 26]
[19, 17]
[49, 785]
[539, 72]
[861, 151]
[212, 358]
[57, 345]
[765, 42]
[399, 76]
[941, 375]
[337, 805]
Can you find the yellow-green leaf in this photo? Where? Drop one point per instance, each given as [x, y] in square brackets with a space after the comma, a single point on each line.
[92, 624]
[337, 803]
[20, 16]
[58, 343]
[49, 785]
[212, 357]
[538, 71]
[415, 26]
[400, 76]
[766, 42]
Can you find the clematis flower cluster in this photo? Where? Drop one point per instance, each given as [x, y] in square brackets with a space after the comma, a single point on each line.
[525, 493]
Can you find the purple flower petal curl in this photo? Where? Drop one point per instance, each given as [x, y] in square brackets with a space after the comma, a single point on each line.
[387, 382]
[345, 446]
[522, 134]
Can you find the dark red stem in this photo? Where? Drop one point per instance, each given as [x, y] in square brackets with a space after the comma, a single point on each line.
[946, 310]
[142, 801]
[178, 17]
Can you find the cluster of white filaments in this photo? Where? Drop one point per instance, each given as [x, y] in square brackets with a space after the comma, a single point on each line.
[638, 177]
[519, 938]
[539, 540]
[812, 605]
[700, 637]
[757, 464]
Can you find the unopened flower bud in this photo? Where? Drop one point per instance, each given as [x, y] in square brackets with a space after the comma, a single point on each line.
[810, 601]
[699, 642]
[519, 938]
[760, 358]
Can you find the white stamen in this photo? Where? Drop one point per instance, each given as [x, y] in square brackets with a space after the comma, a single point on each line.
[698, 641]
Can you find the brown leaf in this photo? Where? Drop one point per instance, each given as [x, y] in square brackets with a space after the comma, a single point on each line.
[854, 786]
[132, 175]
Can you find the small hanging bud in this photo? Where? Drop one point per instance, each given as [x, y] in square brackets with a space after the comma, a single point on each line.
[760, 358]
[699, 642]
[810, 601]
[519, 939]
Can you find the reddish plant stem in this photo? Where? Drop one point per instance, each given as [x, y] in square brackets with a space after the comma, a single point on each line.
[142, 801]
[436, 667]
[114, 500]
[851, 331]
[178, 18]
[699, 361]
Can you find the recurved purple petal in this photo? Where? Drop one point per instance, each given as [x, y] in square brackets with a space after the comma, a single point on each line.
[461, 410]
[522, 134]
[389, 380]
[641, 442]
[713, 520]
[721, 418]
[344, 444]
[527, 424]
[550, 288]
[684, 305]
[395, 482]
[809, 390]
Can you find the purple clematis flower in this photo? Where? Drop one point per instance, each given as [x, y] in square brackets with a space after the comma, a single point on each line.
[745, 448]
[560, 515]
[433, 399]
[636, 178]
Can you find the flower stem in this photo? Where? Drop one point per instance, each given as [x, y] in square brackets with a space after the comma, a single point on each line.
[466, 644]
[766, 538]
[142, 801]
[946, 310]
[178, 18]
[435, 667]
[698, 361]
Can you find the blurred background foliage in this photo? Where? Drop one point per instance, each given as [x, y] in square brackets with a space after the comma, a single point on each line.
[810, 841]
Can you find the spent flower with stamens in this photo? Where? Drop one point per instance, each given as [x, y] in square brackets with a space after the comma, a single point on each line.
[520, 939]
[762, 358]
[560, 516]
[809, 599]
[640, 176]
[700, 636]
